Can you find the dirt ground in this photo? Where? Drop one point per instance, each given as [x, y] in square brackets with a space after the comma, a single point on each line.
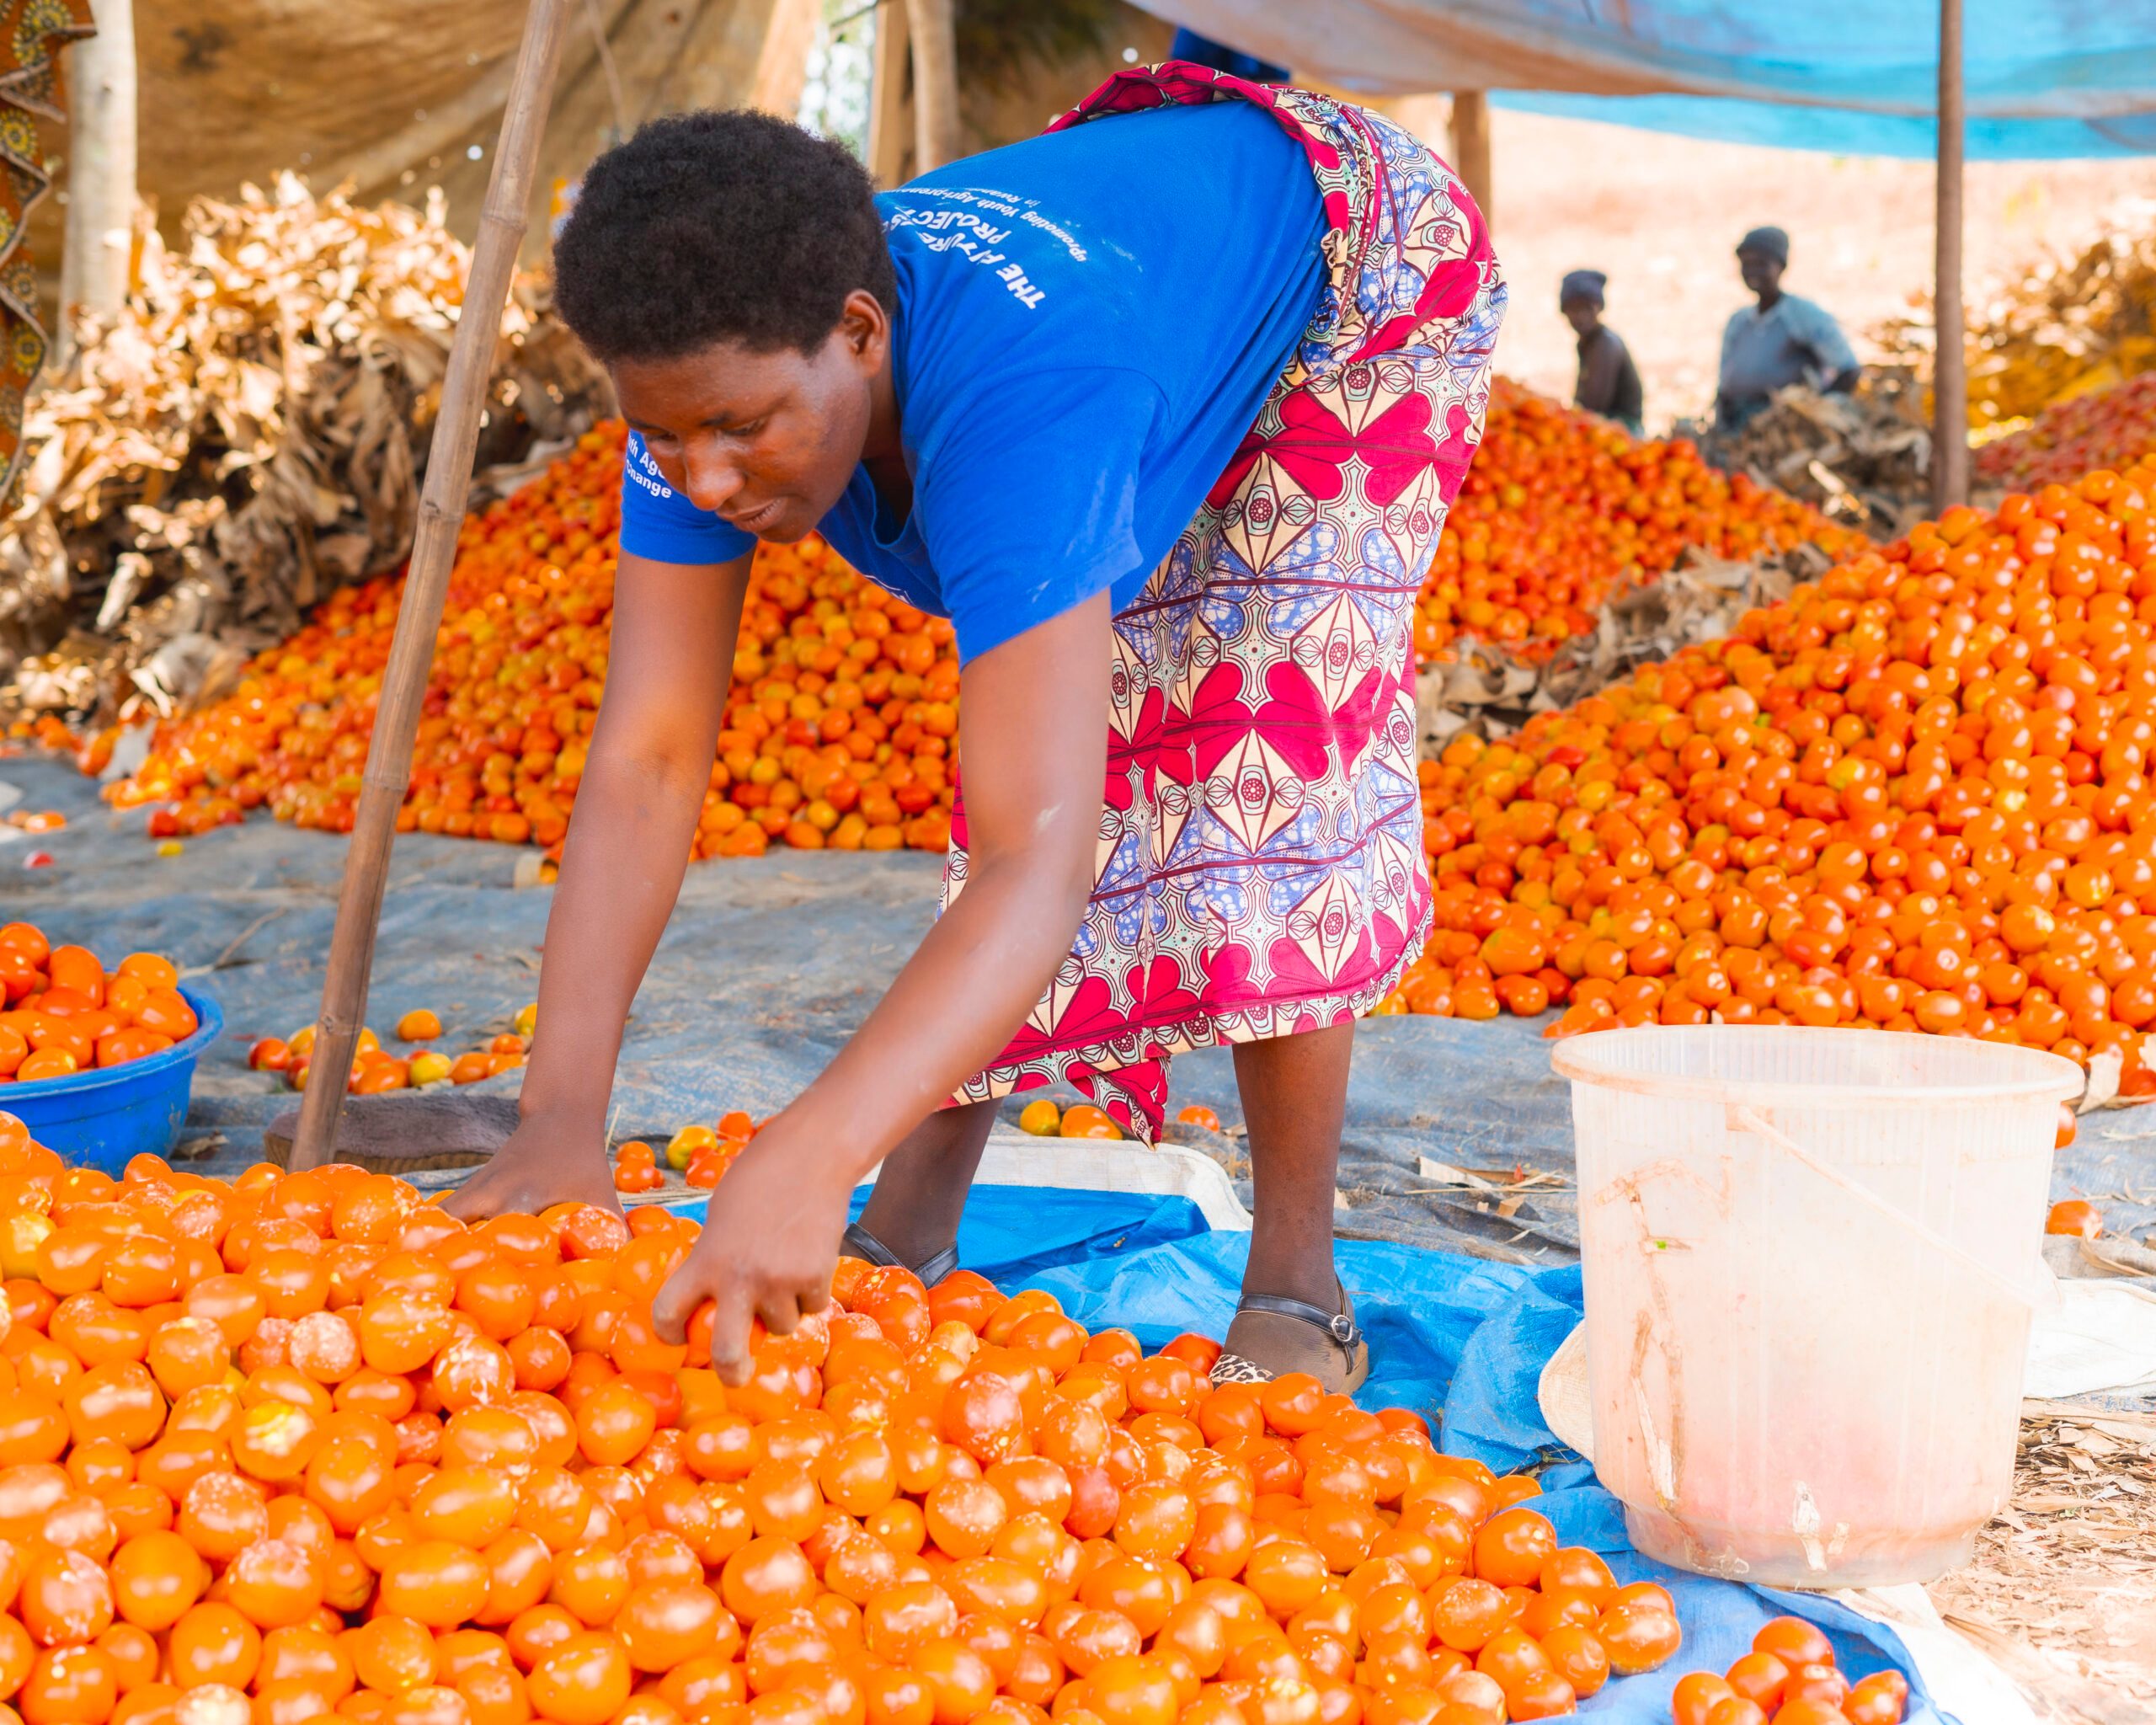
[2063, 1593]
[1660, 215]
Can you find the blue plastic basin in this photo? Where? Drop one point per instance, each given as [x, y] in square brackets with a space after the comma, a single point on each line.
[103, 1119]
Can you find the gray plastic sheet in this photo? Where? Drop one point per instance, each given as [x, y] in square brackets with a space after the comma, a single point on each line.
[1458, 1133]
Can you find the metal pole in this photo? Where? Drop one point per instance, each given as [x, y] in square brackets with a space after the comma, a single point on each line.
[1950, 379]
[433, 549]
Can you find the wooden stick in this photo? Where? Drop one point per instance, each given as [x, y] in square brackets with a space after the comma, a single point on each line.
[433, 549]
[1471, 146]
[889, 122]
[937, 135]
[1949, 371]
[782, 66]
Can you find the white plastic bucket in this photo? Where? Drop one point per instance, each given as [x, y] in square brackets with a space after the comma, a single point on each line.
[1809, 1259]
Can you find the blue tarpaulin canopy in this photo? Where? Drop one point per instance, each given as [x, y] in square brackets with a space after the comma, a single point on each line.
[2044, 78]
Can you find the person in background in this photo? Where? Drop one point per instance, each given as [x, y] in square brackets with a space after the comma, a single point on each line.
[1609, 381]
[1203, 50]
[1780, 341]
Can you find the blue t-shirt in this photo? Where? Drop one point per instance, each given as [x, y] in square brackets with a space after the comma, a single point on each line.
[1088, 323]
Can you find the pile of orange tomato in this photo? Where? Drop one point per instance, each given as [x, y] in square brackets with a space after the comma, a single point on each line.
[1789, 1678]
[838, 731]
[700, 1153]
[1561, 510]
[2107, 428]
[301, 1446]
[61, 1012]
[844, 708]
[1915, 795]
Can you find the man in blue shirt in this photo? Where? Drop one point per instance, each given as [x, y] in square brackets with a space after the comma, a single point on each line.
[1780, 341]
[1164, 410]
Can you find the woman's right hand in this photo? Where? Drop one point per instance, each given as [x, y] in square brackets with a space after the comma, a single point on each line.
[547, 1160]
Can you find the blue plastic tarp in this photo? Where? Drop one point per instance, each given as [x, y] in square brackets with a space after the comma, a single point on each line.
[2042, 78]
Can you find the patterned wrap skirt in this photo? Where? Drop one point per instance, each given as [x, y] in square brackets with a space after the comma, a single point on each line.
[1261, 869]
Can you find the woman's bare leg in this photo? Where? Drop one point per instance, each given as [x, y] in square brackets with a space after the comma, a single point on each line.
[920, 1191]
[1294, 1097]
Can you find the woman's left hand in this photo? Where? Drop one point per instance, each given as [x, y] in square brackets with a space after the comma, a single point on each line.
[768, 1246]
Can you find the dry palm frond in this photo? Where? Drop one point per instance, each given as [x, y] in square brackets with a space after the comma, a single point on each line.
[2068, 326]
[1492, 691]
[1863, 459]
[249, 433]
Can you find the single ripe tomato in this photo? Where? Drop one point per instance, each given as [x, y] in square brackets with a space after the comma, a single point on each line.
[1697, 1694]
[1877, 1699]
[1760, 1678]
[1638, 1637]
[1513, 1545]
[2075, 1216]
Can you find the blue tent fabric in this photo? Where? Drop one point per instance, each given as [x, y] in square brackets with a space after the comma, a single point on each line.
[2042, 78]
[1202, 51]
[1840, 133]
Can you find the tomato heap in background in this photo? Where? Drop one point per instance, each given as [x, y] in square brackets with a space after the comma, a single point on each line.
[844, 708]
[302, 1444]
[1914, 795]
[61, 1013]
[377, 1072]
[837, 731]
[1561, 510]
[2105, 428]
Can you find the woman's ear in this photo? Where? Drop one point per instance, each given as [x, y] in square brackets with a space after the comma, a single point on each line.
[864, 324]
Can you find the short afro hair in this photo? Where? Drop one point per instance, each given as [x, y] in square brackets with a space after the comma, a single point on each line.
[718, 227]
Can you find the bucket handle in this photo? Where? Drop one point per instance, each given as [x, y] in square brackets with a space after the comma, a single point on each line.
[1750, 1120]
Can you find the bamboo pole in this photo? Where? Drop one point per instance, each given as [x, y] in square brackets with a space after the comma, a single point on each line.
[1949, 380]
[1471, 146]
[888, 101]
[434, 548]
[100, 236]
[936, 134]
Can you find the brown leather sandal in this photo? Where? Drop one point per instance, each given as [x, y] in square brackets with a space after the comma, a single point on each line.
[859, 1242]
[1346, 1333]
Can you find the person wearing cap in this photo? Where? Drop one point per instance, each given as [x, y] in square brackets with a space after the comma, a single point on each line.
[1780, 341]
[1609, 381]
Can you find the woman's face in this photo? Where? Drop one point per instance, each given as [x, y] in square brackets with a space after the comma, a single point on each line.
[767, 439]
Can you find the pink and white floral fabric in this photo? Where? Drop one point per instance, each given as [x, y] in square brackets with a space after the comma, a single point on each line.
[1260, 852]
